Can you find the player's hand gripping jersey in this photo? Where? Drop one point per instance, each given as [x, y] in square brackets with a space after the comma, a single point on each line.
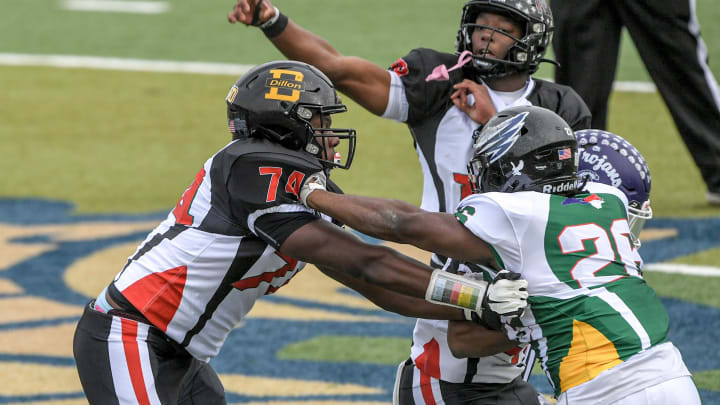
[589, 309]
[202, 269]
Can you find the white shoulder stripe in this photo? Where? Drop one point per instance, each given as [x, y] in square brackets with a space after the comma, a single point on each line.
[281, 209]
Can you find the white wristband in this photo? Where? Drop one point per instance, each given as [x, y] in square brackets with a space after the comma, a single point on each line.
[269, 23]
[306, 191]
[456, 291]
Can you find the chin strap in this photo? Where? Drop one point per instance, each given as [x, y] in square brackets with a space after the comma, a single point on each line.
[557, 64]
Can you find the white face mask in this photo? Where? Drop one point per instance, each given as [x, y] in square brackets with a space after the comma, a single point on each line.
[636, 220]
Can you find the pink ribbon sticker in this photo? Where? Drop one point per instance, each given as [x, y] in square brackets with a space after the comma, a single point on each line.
[440, 72]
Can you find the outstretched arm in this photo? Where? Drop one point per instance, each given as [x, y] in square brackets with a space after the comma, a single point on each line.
[465, 339]
[363, 81]
[394, 302]
[337, 251]
[401, 222]
[380, 273]
[328, 246]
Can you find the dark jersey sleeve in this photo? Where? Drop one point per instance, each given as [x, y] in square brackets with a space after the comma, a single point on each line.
[425, 98]
[263, 190]
[275, 228]
[333, 187]
[564, 101]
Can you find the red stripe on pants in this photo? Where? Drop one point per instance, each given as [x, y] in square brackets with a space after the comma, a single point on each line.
[426, 389]
[132, 358]
[429, 365]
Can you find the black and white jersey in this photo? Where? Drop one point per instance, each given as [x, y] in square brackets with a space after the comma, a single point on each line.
[201, 270]
[443, 136]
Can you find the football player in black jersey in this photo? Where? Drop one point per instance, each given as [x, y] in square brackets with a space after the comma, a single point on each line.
[445, 99]
[240, 232]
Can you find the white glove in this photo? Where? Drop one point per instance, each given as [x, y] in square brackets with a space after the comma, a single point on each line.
[507, 294]
[316, 181]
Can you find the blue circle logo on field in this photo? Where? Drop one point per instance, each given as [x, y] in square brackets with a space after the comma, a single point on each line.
[312, 341]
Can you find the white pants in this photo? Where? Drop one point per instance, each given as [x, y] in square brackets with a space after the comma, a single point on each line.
[676, 391]
[679, 390]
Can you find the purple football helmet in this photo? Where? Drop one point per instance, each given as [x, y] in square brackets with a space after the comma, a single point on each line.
[608, 158]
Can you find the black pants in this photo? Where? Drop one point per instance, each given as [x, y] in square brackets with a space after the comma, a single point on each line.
[667, 37]
[410, 391]
[125, 361]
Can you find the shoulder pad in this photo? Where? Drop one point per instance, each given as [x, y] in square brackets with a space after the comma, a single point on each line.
[564, 101]
[426, 98]
[273, 153]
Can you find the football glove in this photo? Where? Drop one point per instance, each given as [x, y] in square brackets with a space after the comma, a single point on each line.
[506, 295]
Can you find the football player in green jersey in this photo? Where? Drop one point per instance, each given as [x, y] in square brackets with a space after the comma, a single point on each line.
[600, 332]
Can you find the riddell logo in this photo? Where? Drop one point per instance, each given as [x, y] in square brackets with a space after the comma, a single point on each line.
[559, 188]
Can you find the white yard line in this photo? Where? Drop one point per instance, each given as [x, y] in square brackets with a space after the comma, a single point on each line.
[117, 6]
[97, 62]
[635, 87]
[677, 268]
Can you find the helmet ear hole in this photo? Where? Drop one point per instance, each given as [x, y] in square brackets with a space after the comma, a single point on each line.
[542, 154]
[251, 83]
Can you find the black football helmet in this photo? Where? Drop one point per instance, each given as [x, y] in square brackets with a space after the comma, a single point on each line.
[526, 53]
[525, 149]
[277, 101]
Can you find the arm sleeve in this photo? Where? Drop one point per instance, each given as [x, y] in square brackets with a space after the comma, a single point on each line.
[397, 108]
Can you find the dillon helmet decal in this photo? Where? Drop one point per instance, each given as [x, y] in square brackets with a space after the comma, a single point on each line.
[501, 138]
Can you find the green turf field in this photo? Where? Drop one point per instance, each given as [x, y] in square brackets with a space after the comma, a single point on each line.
[93, 115]
[196, 31]
[126, 142]
[129, 142]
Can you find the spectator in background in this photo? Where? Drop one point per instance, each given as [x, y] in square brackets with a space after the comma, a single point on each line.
[667, 36]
